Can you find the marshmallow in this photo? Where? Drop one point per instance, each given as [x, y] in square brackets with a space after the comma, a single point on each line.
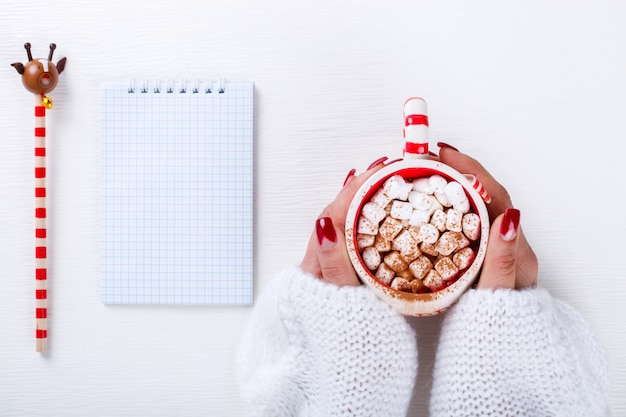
[393, 183]
[401, 284]
[365, 226]
[437, 183]
[419, 217]
[384, 274]
[454, 219]
[373, 212]
[417, 286]
[446, 244]
[401, 210]
[405, 190]
[363, 241]
[420, 267]
[397, 188]
[443, 199]
[450, 242]
[454, 191]
[429, 248]
[381, 244]
[394, 261]
[434, 281]
[381, 198]
[422, 185]
[406, 274]
[464, 258]
[428, 233]
[409, 257]
[371, 258]
[415, 231]
[406, 245]
[420, 201]
[462, 241]
[390, 228]
[439, 220]
[463, 206]
[434, 204]
[471, 226]
[446, 268]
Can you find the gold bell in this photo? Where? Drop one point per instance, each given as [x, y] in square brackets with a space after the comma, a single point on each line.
[46, 102]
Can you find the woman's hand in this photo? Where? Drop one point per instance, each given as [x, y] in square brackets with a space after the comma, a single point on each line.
[509, 262]
[326, 255]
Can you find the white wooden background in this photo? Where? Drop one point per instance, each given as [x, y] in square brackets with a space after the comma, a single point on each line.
[535, 90]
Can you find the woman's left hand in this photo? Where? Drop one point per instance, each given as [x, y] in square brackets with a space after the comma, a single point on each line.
[326, 255]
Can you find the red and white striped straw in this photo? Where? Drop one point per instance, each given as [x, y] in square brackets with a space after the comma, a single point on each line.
[41, 267]
[415, 129]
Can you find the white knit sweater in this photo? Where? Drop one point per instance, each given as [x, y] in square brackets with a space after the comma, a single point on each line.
[315, 349]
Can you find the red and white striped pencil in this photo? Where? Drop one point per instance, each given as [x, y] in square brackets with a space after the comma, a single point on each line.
[40, 76]
[41, 248]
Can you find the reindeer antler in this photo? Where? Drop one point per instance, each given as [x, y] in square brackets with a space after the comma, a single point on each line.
[52, 48]
[27, 47]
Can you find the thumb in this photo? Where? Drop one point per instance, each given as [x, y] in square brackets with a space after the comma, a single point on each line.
[500, 263]
[332, 254]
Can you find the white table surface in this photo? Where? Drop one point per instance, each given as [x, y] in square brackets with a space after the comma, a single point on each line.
[534, 90]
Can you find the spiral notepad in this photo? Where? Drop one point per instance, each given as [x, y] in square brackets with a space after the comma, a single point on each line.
[177, 192]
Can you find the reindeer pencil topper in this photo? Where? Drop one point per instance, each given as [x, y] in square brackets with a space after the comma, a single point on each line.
[40, 76]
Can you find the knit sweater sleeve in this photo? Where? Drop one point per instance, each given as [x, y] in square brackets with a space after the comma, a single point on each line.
[315, 349]
[522, 353]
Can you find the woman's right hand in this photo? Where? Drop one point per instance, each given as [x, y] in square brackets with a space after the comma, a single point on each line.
[510, 262]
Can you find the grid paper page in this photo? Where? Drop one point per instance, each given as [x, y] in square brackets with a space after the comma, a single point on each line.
[177, 193]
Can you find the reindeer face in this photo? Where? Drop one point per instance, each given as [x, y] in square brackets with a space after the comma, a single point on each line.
[40, 75]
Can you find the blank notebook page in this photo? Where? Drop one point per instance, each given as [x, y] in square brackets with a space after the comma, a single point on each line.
[177, 193]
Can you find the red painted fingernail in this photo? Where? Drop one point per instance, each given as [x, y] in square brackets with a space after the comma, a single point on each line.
[350, 175]
[510, 223]
[445, 145]
[325, 231]
[377, 162]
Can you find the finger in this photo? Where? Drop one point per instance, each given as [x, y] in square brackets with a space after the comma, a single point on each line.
[310, 263]
[527, 264]
[500, 265]
[500, 198]
[349, 177]
[337, 211]
[332, 254]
